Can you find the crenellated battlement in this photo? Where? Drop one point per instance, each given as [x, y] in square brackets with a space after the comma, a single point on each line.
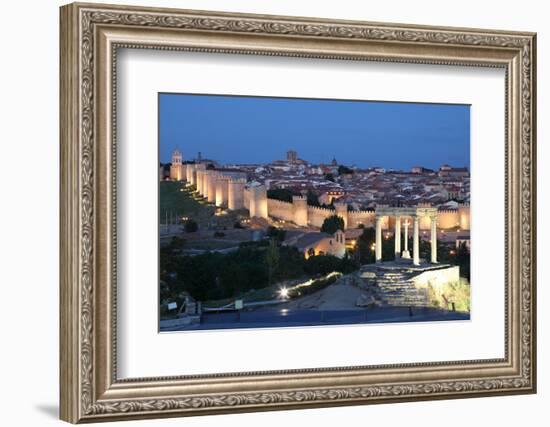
[362, 212]
[237, 180]
[281, 202]
[321, 209]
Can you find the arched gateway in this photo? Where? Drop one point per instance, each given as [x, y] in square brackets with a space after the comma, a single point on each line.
[401, 212]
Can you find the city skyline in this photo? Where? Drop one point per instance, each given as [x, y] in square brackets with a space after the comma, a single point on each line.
[250, 130]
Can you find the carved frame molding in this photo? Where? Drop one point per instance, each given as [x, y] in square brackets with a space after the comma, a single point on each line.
[90, 36]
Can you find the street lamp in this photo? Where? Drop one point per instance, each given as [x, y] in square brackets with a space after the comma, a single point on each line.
[283, 293]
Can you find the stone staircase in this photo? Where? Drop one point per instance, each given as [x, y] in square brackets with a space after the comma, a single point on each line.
[398, 289]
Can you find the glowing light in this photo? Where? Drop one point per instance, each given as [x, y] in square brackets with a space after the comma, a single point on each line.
[284, 293]
[452, 252]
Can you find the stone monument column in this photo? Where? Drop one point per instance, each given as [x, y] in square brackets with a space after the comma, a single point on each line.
[416, 255]
[378, 244]
[433, 223]
[406, 253]
[397, 236]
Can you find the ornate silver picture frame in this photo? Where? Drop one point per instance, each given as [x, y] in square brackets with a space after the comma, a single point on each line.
[91, 390]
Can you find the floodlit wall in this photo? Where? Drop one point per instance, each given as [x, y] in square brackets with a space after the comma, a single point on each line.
[212, 178]
[317, 215]
[300, 211]
[235, 194]
[257, 204]
[280, 210]
[229, 191]
[177, 172]
[342, 212]
[333, 245]
[464, 217]
[364, 217]
[222, 184]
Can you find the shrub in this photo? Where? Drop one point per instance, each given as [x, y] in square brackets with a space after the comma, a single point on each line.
[322, 264]
[317, 285]
[449, 293]
[191, 226]
[332, 224]
[276, 233]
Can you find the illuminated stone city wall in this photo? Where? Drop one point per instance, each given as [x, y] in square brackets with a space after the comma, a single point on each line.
[257, 201]
[177, 172]
[317, 215]
[280, 210]
[234, 193]
[227, 188]
[365, 218]
[222, 189]
[212, 177]
[300, 211]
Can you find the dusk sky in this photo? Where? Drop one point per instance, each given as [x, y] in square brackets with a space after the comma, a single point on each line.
[233, 129]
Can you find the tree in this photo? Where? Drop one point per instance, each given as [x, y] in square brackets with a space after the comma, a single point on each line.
[322, 264]
[364, 246]
[176, 243]
[272, 259]
[283, 194]
[276, 233]
[463, 260]
[344, 170]
[332, 224]
[312, 198]
[191, 226]
[329, 177]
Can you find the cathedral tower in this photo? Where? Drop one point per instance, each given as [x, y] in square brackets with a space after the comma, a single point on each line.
[176, 169]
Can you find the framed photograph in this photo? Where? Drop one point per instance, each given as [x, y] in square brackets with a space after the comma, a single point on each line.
[266, 212]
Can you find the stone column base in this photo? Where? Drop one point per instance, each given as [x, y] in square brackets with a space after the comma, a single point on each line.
[406, 254]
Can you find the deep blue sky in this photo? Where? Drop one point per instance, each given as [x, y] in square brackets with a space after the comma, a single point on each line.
[233, 129]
